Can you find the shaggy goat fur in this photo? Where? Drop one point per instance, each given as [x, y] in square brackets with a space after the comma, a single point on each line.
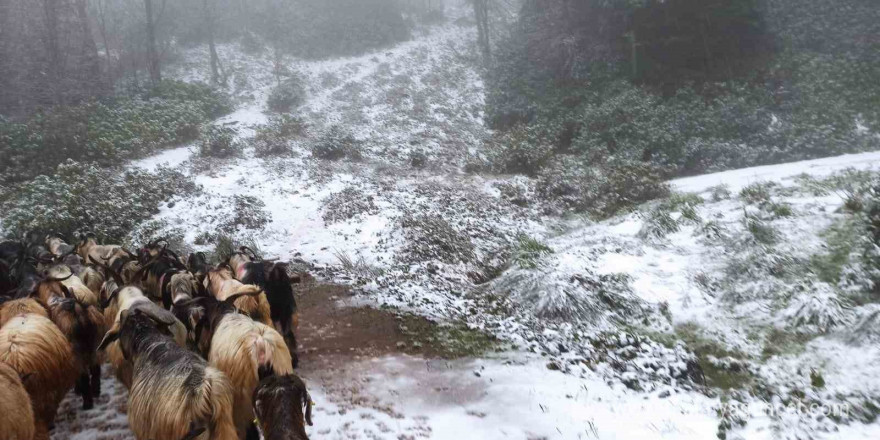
[220, 284]
[173, 389]
[83, 326]
[76, 286]
[89, 250]
[32, 345]
[131, 298]
[241, 348]
[275, 400]
[16, 414]
[24, 306]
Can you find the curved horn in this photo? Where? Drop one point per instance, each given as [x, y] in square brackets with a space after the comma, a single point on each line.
[166, 320]
[233, 298]
[116, 277]
[60, 279]
[114, 294]
[245, 249]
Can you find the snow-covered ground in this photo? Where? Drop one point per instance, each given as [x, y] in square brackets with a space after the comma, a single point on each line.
[610, 370]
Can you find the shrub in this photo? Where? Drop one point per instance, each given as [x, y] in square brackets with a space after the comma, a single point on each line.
[219, 142]
[273, 139]
[286, 96]
[105, 132]
[572, 186]
[529, 252]
[337, 143]
[433, 238]
[248, 212]
[347, 204]
[213, 102]
[85, 197]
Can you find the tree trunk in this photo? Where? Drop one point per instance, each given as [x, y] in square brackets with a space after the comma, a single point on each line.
[53, 50]
[152, 53]
[212, 48]
[481, 15]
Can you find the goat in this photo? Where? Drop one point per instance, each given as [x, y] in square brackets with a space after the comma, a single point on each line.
[157, 275]
[197, 263]
[12, 308]
[174, 392]
[89, 249]
[242, 349]
[16, 414]
[65, 275]
[277, 285]
[119, 299]
[220, 284]
[26, 277]
[32, 345]
[275, 399]
[57, 246]
[83, 326]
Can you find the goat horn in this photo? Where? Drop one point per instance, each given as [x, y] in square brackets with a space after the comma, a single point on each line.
[247, 249]
[106, 303]
[60, 279]
[116, 277]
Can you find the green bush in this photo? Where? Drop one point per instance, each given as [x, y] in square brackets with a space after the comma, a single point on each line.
[213, 102]
[782, 80]
[286, 96]
[85, 197]
[105, 132]
[273, 139]
[573, 186]
[336, 144]
[220, 142]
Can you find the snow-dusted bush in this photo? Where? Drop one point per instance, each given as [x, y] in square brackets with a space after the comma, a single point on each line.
[570, 184]
[287, 96]
[219, 142]
[555, 295]
[431, 237]
[273, 139]
[347, 204]
[337, 143]
[212, 101]
[248, 212]
[529, 252]
[815, 307]
[85, 197]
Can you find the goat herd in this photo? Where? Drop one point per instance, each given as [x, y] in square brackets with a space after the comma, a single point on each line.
[206, 352]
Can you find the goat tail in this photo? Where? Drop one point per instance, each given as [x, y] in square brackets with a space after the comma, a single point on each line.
[219, 393]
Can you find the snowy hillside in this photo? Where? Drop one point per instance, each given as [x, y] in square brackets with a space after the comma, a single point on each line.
[604, 324]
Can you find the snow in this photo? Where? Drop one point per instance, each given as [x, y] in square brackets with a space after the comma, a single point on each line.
[512, 397]
[739, 179]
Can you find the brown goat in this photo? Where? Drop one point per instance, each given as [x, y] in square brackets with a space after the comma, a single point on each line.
[221, 285]
[16, 414]
[83, 326]
[37, 350]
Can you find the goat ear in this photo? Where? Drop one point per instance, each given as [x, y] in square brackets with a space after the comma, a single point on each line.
[307, 403]
[66, 291]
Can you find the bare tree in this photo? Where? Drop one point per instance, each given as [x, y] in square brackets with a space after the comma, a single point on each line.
[153, 62]
[481, 15]
[217, 75]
